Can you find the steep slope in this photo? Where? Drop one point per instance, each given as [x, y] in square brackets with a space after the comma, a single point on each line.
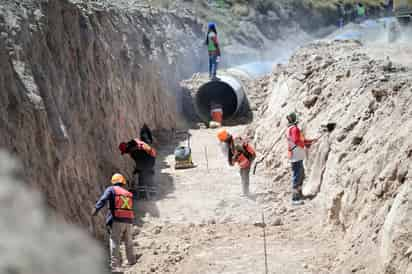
[76, 79]
[358, 174]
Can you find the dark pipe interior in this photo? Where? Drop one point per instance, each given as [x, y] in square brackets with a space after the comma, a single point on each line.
[218, 92]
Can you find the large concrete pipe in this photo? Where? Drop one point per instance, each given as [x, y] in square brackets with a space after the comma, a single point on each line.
[229, 91]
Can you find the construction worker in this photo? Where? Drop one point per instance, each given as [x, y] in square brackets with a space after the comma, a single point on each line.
[213, 50]
[296, 152]
[145, 158]
[119, 220]
[360, 12]
[238, 151]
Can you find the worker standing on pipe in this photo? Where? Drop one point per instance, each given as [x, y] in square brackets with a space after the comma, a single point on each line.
[296, 152]
[213, 50]
[120, 218]
[238, 151]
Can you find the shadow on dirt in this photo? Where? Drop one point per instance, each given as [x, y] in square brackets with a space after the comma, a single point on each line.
[166, 142]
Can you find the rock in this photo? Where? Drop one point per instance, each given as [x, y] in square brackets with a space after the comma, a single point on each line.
[317, 58]
[259, 224]
[310, 101]
[339, 77]
[317, 90]
[408, 252]
[357, 140]
[157, 230]
[240, 10]
[379, 94]
[396, 233]
[277, 222]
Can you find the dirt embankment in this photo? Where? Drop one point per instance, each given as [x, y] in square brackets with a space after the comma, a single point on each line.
[76, 80]
[358, 174]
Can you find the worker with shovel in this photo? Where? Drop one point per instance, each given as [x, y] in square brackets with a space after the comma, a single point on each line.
[120, 218]
[296, 152]
[238, 151]
[144, 156]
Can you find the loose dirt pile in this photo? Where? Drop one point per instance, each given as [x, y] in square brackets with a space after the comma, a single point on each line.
[358, 174]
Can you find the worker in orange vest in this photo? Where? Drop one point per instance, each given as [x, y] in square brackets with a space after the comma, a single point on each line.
[240, 152]
[296, 153]
[144, 156]
[119, 220]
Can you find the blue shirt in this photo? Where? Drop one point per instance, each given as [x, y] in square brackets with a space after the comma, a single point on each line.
[108, 196]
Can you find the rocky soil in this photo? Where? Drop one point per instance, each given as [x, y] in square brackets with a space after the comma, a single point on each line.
[202, 224]
[358, 174]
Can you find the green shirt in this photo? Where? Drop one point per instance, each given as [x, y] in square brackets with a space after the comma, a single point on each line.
[211, 45]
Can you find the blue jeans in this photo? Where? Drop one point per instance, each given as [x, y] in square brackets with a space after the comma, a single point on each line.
[298, 174]
[212, 65]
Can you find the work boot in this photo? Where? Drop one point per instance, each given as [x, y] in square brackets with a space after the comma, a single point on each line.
[297, 202]
[296, 199]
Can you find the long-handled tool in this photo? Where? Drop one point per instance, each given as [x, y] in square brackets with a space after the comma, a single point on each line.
[325, 129]
[264, 243]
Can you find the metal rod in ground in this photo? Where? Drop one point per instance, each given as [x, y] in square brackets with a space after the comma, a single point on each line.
[207, 161]
[264, 243]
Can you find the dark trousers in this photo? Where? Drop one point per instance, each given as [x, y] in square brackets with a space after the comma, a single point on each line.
[298, 174]
[212, 65]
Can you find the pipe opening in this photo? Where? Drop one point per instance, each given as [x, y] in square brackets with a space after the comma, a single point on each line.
[217, 92]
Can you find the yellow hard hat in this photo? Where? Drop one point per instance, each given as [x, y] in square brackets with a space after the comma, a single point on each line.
[118, 178]
[222, 134]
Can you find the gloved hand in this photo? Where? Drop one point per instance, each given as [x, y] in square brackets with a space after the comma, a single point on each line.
[94, 212]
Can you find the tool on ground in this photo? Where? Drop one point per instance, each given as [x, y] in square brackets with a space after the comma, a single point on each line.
[183, 156]
[207, 160]
[264, 243]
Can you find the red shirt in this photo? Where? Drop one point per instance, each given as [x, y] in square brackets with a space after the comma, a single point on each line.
[296, 137]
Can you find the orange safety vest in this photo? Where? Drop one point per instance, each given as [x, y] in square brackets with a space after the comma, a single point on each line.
[291, 145]
[242, 159]
[123, 205]
[143, 146]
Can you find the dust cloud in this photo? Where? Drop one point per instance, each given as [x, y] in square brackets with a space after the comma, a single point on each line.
[33, 242]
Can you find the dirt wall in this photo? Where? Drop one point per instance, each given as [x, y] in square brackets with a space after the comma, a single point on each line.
[75, 81]
[357, 174]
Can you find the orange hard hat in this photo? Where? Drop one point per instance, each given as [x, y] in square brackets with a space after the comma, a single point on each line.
[118, 178]
[222, 135]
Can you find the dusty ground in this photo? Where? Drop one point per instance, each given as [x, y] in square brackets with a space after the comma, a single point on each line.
[205, 226]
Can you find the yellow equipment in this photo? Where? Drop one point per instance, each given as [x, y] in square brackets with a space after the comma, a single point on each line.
[183, 156]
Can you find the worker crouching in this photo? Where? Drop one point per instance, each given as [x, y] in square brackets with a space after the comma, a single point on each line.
[240, 152]
[144, 156]
[119, 220]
